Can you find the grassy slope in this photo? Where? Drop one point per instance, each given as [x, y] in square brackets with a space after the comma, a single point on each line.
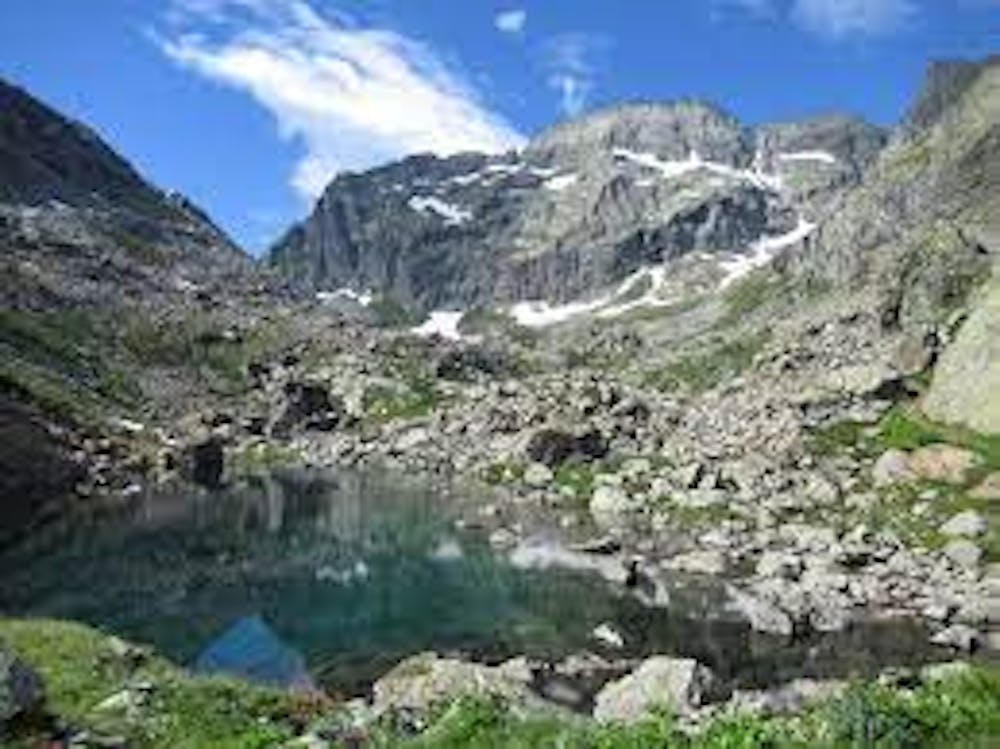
[82, 668]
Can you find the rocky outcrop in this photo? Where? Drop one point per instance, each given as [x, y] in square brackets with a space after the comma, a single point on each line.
[966, 385]
[677, 684]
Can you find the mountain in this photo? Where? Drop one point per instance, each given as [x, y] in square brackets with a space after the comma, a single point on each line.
[583, 206]
[61, 186]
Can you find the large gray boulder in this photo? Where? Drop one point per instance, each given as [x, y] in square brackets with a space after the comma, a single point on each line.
[966, 385]
[680, 684]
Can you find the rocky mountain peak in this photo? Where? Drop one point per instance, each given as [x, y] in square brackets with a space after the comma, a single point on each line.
[669, 130]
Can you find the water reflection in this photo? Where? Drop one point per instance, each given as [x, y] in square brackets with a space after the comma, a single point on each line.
[354, 571]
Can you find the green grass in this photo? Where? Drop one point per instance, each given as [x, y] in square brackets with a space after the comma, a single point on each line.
[705, 369]
[417, 396]
[503, 472]
[750, 294]
[81, 669]
[390, 312]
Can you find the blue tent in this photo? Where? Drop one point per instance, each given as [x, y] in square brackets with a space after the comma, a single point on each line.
[251, 650]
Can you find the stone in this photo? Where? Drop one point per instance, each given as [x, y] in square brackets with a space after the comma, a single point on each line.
[700, 562]
[988, 488]
[935, 672]
[966, 385]
[681, 684]
[968, 523]
[423, 680]
[609, 636]
[309, 405]
[538, 475]
[689, 476]
[892, 467]
[762, 615]
[21, 688]
[963, 552]
[609, 505]
[959, 637]
[779, 564]
[554, 447]
[941, 462]
[792, 697]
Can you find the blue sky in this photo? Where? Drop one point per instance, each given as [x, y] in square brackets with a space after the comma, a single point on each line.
[250, 106]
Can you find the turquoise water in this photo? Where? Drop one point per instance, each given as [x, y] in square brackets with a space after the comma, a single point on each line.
[355, 571]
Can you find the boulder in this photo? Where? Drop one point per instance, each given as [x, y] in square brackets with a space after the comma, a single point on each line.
[966, 385]
[681, 684]
[423, 680]
[942, 463]
[892, 467]
[553, 447]
[963, 553]
[538, 475]
[699, 562]
[959, 637]
[988, 488]
[609, 505]
[762, 615]
[967, 523]
[21, 688]
[308, 406]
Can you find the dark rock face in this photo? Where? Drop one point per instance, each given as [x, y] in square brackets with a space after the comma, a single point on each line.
[207, 462]
[35, 467]
[553, 447]
[584, 205]
[309, 406]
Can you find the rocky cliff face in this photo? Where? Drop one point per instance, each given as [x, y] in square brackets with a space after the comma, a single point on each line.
[61, 186]
[581, 207]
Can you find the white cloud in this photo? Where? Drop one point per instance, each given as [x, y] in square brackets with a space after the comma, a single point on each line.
[511, 21]
[838, 19]
[354, 97]
[573, 66]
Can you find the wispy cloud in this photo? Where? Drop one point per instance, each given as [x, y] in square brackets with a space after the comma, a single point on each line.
[573, 62]
[354, 97]
[511, 21]
[839, 19]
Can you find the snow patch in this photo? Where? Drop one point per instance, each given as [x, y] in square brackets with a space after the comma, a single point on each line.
[364, 298]
[442, 323]
[451, 214]
[563, 181]
[762, 251]
[824, 157]
[674, 169]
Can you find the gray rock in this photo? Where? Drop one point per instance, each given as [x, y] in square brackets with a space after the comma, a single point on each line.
[610, 505]
[21, 688]
[699, 562]
[779, 564]
[892, 467]
[958, 636]
[421, 681]
[762, 615]
[968, 523]
[963, 552]
[681, 684]
[538, 475]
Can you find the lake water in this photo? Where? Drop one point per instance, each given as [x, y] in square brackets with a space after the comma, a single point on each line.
[355, 571]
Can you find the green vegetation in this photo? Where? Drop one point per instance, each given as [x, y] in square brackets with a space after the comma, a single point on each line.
[83, 668]
[705, 369]
[264, 456]
[503, 473]
[390, 312]
[915, 510]
[60, 361]
[200, 343]
[417, 396]
[750, 294]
